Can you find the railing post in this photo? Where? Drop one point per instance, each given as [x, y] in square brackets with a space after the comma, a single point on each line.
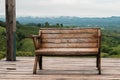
[10, 30]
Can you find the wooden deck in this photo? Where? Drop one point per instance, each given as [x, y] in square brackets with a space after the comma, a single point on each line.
[60, 68]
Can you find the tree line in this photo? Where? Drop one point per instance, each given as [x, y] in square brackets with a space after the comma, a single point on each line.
[110, 38]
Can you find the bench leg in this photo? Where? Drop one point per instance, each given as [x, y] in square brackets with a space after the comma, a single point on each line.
[97, 61]
[40, 62]
[99, 64]
[35, 65]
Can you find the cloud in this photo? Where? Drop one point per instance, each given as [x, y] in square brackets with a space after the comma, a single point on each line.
[81, 8]
[2, 7]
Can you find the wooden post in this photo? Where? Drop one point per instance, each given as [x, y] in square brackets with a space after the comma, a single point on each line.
[11, 30]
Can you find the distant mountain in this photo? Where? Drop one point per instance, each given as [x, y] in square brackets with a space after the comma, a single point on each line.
[73, 21]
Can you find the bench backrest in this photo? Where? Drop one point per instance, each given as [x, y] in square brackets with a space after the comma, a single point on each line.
[70, 37]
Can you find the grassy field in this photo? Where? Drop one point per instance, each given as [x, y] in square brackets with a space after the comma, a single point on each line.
[30, 54]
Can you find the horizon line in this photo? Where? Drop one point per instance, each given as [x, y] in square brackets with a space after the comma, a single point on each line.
[3, 16]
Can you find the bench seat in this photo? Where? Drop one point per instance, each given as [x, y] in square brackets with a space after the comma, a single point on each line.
[66, 51]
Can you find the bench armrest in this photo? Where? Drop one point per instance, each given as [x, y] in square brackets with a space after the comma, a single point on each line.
[37, 36]
[36, 40]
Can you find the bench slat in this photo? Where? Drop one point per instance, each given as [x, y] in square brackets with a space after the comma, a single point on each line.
[83, 40]
[69, 31]
[54, 36]
[67, 51]
[69, 45]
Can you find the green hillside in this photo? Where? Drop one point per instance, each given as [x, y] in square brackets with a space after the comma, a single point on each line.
[2, 42]
[25, 47]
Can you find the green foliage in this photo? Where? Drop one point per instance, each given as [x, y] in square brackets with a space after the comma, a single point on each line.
[47, 24]
[39, 25]
[115, 50]
[23, 53]
[26, 45]
[2, 23]
[19, 53]
[111, 42]
[104, 55]
[2, 39]
[22, 33]
[2, 54]
[110, 39]
[105, 48]
[114, 56]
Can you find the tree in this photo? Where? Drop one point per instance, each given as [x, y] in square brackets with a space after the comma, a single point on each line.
[27, 45]
[39, 25]
[61, 25]
[47, 24]
[115, 50]
[57, 25]
[2, 39]
[2, 24]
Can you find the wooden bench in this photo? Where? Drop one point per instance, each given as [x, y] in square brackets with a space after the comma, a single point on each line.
[67, 42]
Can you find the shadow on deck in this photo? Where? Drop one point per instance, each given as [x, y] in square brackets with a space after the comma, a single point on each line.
[60, 68]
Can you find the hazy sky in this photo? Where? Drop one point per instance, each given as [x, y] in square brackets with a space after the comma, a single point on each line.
[81, 8]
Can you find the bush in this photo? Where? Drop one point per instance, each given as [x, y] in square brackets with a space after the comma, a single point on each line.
[21, 53]
[114, 56]
[2, 39]
[105, 48]
[26, 45]
[115, 50]
[104, 55]
[2, 54]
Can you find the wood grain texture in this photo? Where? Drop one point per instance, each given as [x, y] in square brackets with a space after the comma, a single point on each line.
[69, 42]
[62, 36]
[83, 40]
[69, 45]
[64, 68]
[69, 30]
[10, 29]
[67, 51]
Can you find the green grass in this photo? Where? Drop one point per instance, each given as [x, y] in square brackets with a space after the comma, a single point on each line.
[106, 55]
[2, 54]
[19, 53]
[29, 54]
[114, 56]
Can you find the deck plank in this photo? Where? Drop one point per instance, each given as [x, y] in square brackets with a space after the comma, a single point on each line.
[60, 68]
